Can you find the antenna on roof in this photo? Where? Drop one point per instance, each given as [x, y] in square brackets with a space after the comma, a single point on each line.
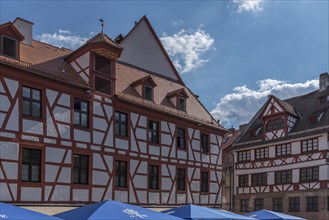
[102, 24]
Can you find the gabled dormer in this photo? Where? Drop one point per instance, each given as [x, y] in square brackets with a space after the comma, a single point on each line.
[278, 118]
[10, 39]
[145, 87]
[95, 63]
[178, 99]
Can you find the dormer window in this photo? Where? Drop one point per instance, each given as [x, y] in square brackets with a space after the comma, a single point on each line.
[9, 47]
[148, 92]
[182, 103]
[102, 65]
[275, 124]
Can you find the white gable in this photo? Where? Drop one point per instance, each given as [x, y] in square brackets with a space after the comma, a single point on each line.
[141, 49]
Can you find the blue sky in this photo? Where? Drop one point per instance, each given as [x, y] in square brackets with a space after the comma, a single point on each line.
[234, 54]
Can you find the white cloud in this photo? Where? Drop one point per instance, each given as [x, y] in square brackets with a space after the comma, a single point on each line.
[249, 5]
[243, 103]
[186, 49]
[62, 38]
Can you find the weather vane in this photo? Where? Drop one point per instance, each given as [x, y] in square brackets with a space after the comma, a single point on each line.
[102, 21]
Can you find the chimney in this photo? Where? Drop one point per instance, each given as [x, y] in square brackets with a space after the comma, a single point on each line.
[323, 81]
[242, 127]
[25, 28]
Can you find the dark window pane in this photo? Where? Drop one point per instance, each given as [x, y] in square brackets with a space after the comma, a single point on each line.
[102, 65]
[80, 171]
[9, 47]
[148, 93]
[102, 85]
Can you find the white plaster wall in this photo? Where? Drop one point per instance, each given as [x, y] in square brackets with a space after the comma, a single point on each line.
[80, 135]
[30, 194]
[83, 61]
[65, 100]
[324, 172]
[80, 194]
[11, 170]
[323, 142]
[61, 193]
[62, 114]
[12, 123]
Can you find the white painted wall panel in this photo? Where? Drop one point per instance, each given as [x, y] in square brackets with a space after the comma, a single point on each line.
[121, 196]
[64, 131]
[4, 103]
[9, 150]
[30, 193]
[100, 178]
[65, 175]
[12, 86]
[83, 61]
[11, 170]
[80, 135]
[4, 192]
[121, 144]
[62, 114]
[61, 193]
[51, 173]
[100, 124]
[54, 155]
[140, 181]
[65, 100]
[80, 194]
[51, 95]
[12, 123]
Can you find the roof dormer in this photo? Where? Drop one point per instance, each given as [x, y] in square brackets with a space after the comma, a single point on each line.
[145, 87]
[178, 98]
[10, 38]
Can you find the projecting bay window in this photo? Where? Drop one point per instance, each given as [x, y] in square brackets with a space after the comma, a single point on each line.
[121, 124]
[81, 113]
[31, 165]
[9, 47]
[153, 132]
[80, 170]
[258, 204]
[294, 204]
[180, 139]
[261, 153]
[259, 179]
[309, 174]
[180, 178]
[278, 204]
[32, 102]
[283, 149]
[204, 143]
[121, 174]
[204, 182]
[310, 145]
[244, 155]
[283, 177]
[312, 204]
[153, 177]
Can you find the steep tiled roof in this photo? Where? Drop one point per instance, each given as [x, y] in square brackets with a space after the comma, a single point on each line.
[102, 37]
[305, 106]
[195, 111]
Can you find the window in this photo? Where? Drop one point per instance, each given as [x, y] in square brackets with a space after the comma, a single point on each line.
[294, 204]
[244, 205]
[309, 174]
[9, 47]
[102, 65]
[153, 177]
[310, 145]
[261, 153]
[32, 102]
[244, 155]
[259, 204]
[121, 173]
[80, 113]
[204, 143]
[278, 204]
[102, 85]
[283, 177]
[259, 179]
[148, 93]
[31, 165]
[180, 138]
[80, 172]
[181, 103]
[181, 179]
[243, 180]
[283, 149]
[275, 124]
[121, 125]
[153, 133]
[312, 204]
[204, 181]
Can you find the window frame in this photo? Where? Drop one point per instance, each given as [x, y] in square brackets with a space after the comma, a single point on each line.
[312, 204]
[103, 79]
[30, 164]
[283, 177]
[275, 126]
[119, 123]
[283, 149]
[145, 87]
[311, 174]
[259, 179]
[151, 176]
[16, 47]
[181, 106]
[294, 204]
[181, 137]
[261, 153]
[278, 204]
[204, 182]
[204, 143]
[244, 205]
[308, 142]
[244, 155]
[181, 180]
[80, 168]
[258, 204]
[31, 100]
[119, 173]
[244, 180]
[105, 58]
[153, 132]
[81, 112]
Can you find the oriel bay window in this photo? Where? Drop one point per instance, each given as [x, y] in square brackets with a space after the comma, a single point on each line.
[32, 102]
[309, 174]
[153, 176]
[121, 124]
[180, 139]
[80, 170]
[244, 155]
[261, 153]
[180, 177]
[121, 174]
[283, 177]
[31, 165]
[81, 113]
[153, 132]
[310, 145]
[283, 149]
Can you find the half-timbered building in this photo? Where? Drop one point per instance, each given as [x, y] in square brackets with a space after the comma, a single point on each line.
[282, 158]
[110, 120]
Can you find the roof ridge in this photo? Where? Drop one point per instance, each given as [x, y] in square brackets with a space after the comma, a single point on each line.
[57, 47]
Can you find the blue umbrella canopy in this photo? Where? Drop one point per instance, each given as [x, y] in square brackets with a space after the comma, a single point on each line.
[11, 212]
[110, 210]
[271, 215]
[194, 212]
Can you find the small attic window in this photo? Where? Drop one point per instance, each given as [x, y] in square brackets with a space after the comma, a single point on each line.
[275, 124]
[102, 65]
[148, 92]
[181, 103]
[9, 47]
